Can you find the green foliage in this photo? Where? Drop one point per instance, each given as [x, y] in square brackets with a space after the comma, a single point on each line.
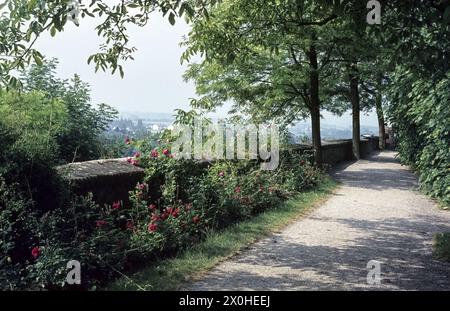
[18, 223]
[420, 115]
[259, 57]
[80, 140]
[418, 92]
[441, 246]
[30, 125]
[36, 120]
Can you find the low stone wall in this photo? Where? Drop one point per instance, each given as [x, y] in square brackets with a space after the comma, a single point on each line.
[337, 151]
[334, 152]
[110, 180]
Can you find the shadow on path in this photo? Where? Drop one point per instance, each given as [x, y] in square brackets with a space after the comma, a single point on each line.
[330, 249]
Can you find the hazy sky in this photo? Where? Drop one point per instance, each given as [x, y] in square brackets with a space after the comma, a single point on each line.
[153, 81]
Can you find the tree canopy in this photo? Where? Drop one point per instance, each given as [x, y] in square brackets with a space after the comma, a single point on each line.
[22, 22]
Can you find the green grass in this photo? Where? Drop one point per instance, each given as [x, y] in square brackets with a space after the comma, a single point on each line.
[169, 274]
[441, 246]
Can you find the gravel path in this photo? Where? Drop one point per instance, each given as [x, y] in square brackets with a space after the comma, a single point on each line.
[377, 214]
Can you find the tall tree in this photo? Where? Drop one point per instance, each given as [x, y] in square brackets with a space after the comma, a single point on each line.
[84, 125]
[270, 60]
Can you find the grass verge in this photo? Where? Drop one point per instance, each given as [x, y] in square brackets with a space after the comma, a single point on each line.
[441, 246]
[171, 273]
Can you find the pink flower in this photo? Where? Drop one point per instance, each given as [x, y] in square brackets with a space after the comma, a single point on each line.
[154, 153]
[140, 186]
[35, 252]
[134, 162]
[116, 205]
[100, 223]
[127, 140]
[152, 227]
[238, 189]
[129, 160]
[196, 219]
[166, 152]
[221, 174]
[152, 206]
[137, 154]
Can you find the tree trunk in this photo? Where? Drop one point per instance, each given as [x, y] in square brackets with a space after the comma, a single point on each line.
[355, 101]
[316, 138]
[380, 116]
[315, 104]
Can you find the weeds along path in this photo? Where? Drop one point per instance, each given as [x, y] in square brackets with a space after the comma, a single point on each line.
[377, 214]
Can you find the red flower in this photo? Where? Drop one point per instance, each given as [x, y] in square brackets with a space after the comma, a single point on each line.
[154, 153]
[116, 205]
[238, 189]
[152, 206]
[166, 152]
[137, 154]
[35, 252]
[155, 217]
[129, 160]
[164, 215]
[196, 219]
[152, 227]
[100, 223]
[134, 162]
[176, 212]
[127, 140]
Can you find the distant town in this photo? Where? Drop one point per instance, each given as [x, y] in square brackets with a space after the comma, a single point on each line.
[142, 124]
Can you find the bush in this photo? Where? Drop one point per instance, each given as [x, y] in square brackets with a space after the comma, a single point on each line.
[175, 206]
[18, 224]
[421, 118]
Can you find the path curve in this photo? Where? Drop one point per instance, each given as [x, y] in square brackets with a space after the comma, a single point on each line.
[377, 214]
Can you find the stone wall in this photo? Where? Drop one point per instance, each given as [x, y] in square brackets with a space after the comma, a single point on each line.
[110, 180]
[334, 152]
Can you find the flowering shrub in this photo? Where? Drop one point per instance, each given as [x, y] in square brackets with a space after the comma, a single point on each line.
[175, 205]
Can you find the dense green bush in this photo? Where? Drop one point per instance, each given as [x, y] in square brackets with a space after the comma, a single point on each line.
[18, 223]
[420, 115]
